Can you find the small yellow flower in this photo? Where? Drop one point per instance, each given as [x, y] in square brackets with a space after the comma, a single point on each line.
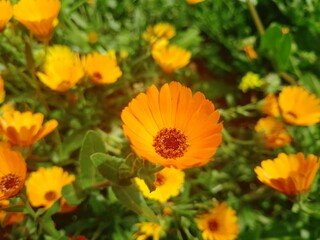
[299, 106]
[6, 13]
[250, 52]
[169, 182]
[220, 223]
[62, 69]
[250, 81]
[13, 171]
[171, 57]
[159, 31]
[38, 16]
[148, 230]
[123, 54]
[273, 132]
[24, 129]
[290, 174]
[270, 105]
[2, 91]
[172, 127]
[102, 69]
[192, 2]
[44, 186]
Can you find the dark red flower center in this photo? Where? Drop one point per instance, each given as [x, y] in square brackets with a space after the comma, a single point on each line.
[160, 180]
[50, 196]
[97, 76]
[10, 182]
[213, 225]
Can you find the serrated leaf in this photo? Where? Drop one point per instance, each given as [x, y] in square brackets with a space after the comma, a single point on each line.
[132, 199]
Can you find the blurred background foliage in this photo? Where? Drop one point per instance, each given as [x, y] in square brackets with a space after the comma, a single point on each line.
[216, 32]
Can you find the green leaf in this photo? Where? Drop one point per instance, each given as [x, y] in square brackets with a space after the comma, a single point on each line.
[14, 209]
[73, 194]
[92, 143]
[283, 51]
[132, 199]
[270, 38]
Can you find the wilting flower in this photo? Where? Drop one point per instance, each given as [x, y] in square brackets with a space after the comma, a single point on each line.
[168, 182]
[270, 105]
[9, 218]
[6, 13]
[12, 173]
[2, 91]
[62, 69]
[24, 129]
[102, 69]
[172, 127]
[44, 186]
[250, 81]
[159, 31]
[273, 132]
[171, 57]
[38, 16]
[299, 106]
[220, 223]
[290, 174]
[192, 2]
[148, 230]
[250, 52]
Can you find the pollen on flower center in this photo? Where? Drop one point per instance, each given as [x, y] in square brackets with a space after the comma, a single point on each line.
[160, 180]
[213, 225]
[170, 143]
[97, 76]
[50, 196]
[10, 182]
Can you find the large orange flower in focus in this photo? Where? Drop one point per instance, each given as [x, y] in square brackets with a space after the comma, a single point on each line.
[172, 127]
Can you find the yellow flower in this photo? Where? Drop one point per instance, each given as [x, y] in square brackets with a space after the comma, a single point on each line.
[270, 105]
[62, 69]
[2, 91]
[9, 218]
[220, 223]
[290, 174]
[13, 171]
[159, 31]
[102, 69]
[44, 186]
[299, 106]
[38, 16]
[250, 52]
[169, 182]
[192, 2]
[6, 13]
[273, 132]
[172, 127]
[250, 81]
[24, 129]
[171, 57]
[148, 230]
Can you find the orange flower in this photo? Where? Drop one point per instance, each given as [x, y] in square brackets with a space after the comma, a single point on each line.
[274, 133]
[290, 174]
[160, 31]
[171, 57]
[24, 129]
[220, 223]
[250, 52]
[299, 106]
[270, 105]
[102, 69]
[13, 171]
[172, 127]
[6, 13]
[192, 2]
[2, 91]
[39, 17]
[9, 218]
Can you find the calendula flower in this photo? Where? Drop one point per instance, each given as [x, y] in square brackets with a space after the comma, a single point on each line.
[299, 106]
[24, 129]
[270, 105]
[193, 2]
[290, 174]
[12, 173]
[250, 81]
[273, 132]
[148, 230]
[6, 13]
[250, 52]
[102, 69]
[172, 127]
[62, 69]
[2, 91]
[168, 182]
[9, 218]
[44, 186]
[171, 57]
[39, 17]
[220, 223]
[159, 31]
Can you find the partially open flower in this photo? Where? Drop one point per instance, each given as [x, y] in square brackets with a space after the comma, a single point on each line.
[160, 31]
[270, 105]
[13, 171]
[6, 13]
[38, 16]
[148, 230]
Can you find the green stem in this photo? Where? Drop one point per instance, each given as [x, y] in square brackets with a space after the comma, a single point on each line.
[256, 18]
